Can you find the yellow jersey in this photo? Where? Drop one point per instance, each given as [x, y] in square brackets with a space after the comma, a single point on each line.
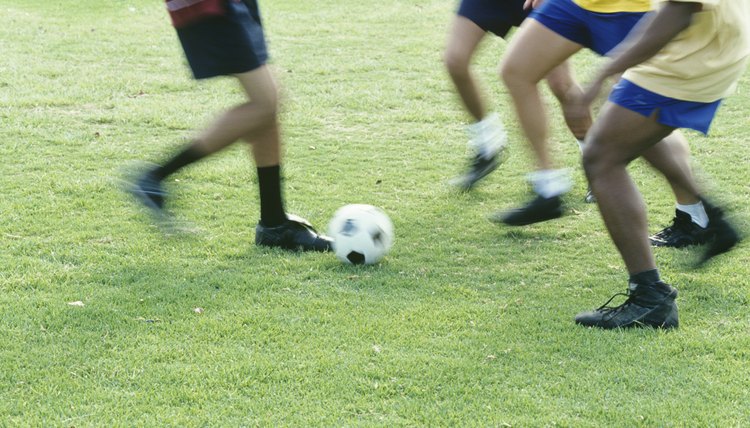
[612, 6]
[704, 62]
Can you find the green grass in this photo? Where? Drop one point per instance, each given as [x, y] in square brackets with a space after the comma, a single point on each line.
[464, 322]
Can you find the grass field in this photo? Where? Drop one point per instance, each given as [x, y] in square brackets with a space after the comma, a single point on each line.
[464, 323]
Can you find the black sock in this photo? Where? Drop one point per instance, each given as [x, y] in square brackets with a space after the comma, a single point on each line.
[271, 206]
[183, 158]
[646, 277]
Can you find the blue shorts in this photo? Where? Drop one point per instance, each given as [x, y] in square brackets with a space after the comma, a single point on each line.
[496, 16]
[224, 45]
[600, 32]
[669, 111]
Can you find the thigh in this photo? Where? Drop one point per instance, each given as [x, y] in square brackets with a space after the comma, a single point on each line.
[463, 39]
[620, 135]
[260, 86]
[535, 50]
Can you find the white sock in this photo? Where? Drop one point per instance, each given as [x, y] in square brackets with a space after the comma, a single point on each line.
[580, 145]
[487, 136]
[697, 213]
[551, 182]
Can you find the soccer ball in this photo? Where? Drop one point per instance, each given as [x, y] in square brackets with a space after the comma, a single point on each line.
[362, 234]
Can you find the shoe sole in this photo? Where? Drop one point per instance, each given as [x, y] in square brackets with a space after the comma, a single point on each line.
[501, 218]
[297, 248]
[664, 244]
[671, 321]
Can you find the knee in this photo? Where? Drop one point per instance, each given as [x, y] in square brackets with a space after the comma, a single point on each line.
[267, 106]
[456, 63]
[594, 158]
[270, 113]
[515, 75]
[508, 72]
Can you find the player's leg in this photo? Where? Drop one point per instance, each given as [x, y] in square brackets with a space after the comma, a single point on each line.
[553, 33]
[617, 137]
[261, 130]
[228, 45]
[463, 40]
[634, 122]
[231, 125]
[533, 53]
[689, 226]
[486, 134]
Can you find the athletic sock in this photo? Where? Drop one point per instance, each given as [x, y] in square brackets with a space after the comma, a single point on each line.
[183, 158]
[580, 145]
[646, 277]
[697, 213]
[271, 205]
[487, 136]
[551, 182]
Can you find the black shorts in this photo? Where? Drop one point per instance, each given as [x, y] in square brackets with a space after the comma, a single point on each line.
[496, 16]
[228, 44]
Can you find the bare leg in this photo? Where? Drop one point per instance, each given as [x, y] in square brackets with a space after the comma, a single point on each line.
[616, 138]
[254, 120]
[533, 53]
[672, 158]
[463, 41]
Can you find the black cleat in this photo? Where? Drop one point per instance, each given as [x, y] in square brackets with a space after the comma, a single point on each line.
[149, 192]
[479, 168]
[682, 233]
[723, 237]
[538, 210]
[646, 306]
[295, 234]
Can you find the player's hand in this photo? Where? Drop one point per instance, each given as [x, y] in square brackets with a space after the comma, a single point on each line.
[591, 92]
[577, 109]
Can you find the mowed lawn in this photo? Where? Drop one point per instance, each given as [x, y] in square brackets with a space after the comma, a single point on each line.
[105, 321]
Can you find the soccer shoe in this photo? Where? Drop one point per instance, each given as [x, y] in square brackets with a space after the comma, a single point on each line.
[295, 234]
[479, 168]
[681, 233]
[722, 236]
[149, 192]
[538, 210]
[646, 306]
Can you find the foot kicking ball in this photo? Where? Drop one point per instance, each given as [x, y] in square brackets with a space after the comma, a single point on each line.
[362, 234]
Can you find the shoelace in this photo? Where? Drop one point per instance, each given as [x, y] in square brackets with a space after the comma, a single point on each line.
[613, 309]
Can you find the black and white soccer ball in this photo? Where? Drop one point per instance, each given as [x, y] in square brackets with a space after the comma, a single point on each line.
[362, 234]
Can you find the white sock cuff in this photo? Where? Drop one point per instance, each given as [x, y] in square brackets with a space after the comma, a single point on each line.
[487, 137]
[551, 182]
[697, 213]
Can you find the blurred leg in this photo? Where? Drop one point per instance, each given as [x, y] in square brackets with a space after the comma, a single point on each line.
[532, 54]
[671, 157]
[463, 41]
